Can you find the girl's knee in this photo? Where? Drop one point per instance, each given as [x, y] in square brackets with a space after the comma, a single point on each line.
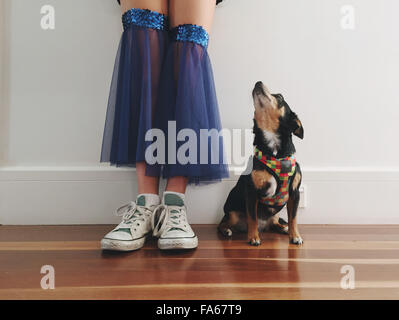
[160, 6]
[194, 12]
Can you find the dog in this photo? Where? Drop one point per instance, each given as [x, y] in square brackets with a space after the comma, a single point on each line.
[253, 205]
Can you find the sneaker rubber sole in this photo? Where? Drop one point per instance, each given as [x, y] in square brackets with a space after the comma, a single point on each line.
[122, 245]
[177, 243]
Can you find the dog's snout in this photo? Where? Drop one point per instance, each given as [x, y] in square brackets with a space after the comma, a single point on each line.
[258, 89]
[259, 84]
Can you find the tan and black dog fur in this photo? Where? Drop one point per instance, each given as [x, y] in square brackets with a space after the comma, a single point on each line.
[274, 125]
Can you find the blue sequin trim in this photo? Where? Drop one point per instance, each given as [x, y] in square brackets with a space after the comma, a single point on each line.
[145, 18]
[191, 33]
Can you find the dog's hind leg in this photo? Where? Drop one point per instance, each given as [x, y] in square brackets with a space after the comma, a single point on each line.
[278, 224]
[228, 222]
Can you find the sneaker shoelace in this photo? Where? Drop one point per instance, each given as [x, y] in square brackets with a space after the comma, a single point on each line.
[132, 214]
[168, 218]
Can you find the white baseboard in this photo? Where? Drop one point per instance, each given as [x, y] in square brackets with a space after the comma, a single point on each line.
[89, 195]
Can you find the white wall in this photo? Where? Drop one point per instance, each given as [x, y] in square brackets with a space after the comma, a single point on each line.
[3, 83]
[342, 84]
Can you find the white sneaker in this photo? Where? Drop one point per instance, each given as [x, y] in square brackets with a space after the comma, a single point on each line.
[131, 233]
[169, 223]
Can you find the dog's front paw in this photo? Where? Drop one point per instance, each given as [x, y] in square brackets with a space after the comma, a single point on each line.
[255, 241]
[296, 240]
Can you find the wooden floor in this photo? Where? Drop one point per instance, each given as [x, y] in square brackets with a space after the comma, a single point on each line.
[217, 269]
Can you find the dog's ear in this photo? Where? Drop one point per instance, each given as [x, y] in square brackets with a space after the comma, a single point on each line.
[279, 97]
[296, 125]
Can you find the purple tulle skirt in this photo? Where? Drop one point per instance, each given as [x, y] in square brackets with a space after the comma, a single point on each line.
[187, 100]
[134, 87]
[163, 82]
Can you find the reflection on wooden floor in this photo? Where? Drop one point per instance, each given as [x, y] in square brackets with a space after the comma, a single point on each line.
[218, 269]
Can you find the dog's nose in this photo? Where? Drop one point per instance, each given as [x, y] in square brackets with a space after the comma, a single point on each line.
[259, 84]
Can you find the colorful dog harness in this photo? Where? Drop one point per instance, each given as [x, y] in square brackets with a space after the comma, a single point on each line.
[282, 169]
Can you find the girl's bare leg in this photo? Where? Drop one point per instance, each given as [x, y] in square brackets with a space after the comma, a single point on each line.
[146, 184]
[198, 12]
[160, 6]
[177, 184]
